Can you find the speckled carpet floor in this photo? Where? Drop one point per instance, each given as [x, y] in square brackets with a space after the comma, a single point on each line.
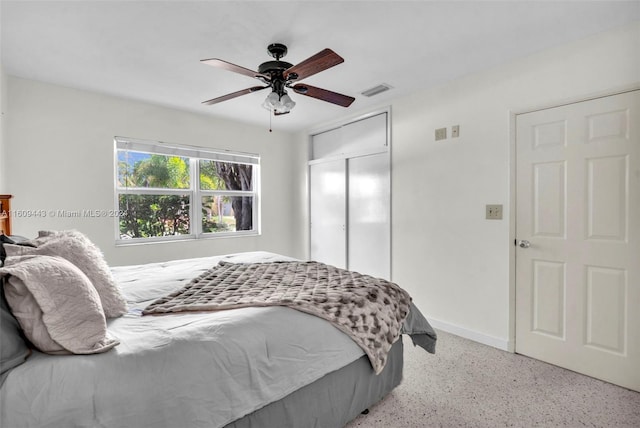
[467, 384]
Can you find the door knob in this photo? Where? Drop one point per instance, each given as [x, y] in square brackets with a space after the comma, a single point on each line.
[523, 243]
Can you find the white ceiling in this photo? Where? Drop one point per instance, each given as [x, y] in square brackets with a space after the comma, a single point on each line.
[151, 50]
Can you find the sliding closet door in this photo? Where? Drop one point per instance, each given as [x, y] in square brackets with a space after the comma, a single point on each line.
[350, 196]
[369, 231]
[328, 212]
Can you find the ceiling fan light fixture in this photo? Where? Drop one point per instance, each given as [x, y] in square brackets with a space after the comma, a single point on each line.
[271, 101]
[287, 102]
[279, 104]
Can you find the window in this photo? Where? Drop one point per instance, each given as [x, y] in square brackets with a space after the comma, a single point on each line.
[166, 192]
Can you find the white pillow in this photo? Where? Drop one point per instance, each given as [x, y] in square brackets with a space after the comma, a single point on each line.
[56, 305]
[79, 250]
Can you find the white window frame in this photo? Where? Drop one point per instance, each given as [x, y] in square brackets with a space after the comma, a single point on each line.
[194, 154]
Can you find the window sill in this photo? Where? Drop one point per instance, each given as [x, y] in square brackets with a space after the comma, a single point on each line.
[184, 238]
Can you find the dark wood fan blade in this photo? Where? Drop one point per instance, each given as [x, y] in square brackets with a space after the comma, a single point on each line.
[312, 65]
[215, 62]
[324, 95]
[235, 94]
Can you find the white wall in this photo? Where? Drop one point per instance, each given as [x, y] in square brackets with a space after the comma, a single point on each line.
[300, 195]
[3, 101]
[60, 156]
[456, 264]
[3, 108]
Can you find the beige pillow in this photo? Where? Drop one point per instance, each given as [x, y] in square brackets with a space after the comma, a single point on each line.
[79, 250]
[56, 305]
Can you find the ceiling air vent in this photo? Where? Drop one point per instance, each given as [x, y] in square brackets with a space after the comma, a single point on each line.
[376, 90]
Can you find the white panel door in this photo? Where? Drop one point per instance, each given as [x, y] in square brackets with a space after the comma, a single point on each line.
[369, 226]
[328, 212]
[578, 208]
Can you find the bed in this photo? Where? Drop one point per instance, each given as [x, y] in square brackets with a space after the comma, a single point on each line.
[253, 366]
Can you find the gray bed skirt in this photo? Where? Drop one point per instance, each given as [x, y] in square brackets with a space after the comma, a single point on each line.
[333, 400]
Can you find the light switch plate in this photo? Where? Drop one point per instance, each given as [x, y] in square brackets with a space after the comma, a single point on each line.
[455, 131]
[494, 212]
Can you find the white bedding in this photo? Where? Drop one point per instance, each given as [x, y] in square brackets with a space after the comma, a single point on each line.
[196, 370]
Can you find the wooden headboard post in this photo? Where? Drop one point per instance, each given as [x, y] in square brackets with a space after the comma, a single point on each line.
[5, 214]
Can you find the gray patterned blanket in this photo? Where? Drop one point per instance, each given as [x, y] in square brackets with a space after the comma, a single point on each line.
[370, 310]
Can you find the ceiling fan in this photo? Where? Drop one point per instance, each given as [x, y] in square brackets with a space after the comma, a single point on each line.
[280, 75]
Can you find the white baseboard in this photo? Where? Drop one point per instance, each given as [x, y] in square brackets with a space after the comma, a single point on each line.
[485, 339]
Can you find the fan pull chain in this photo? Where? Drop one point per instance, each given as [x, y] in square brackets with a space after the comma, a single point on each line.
[270, 117]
